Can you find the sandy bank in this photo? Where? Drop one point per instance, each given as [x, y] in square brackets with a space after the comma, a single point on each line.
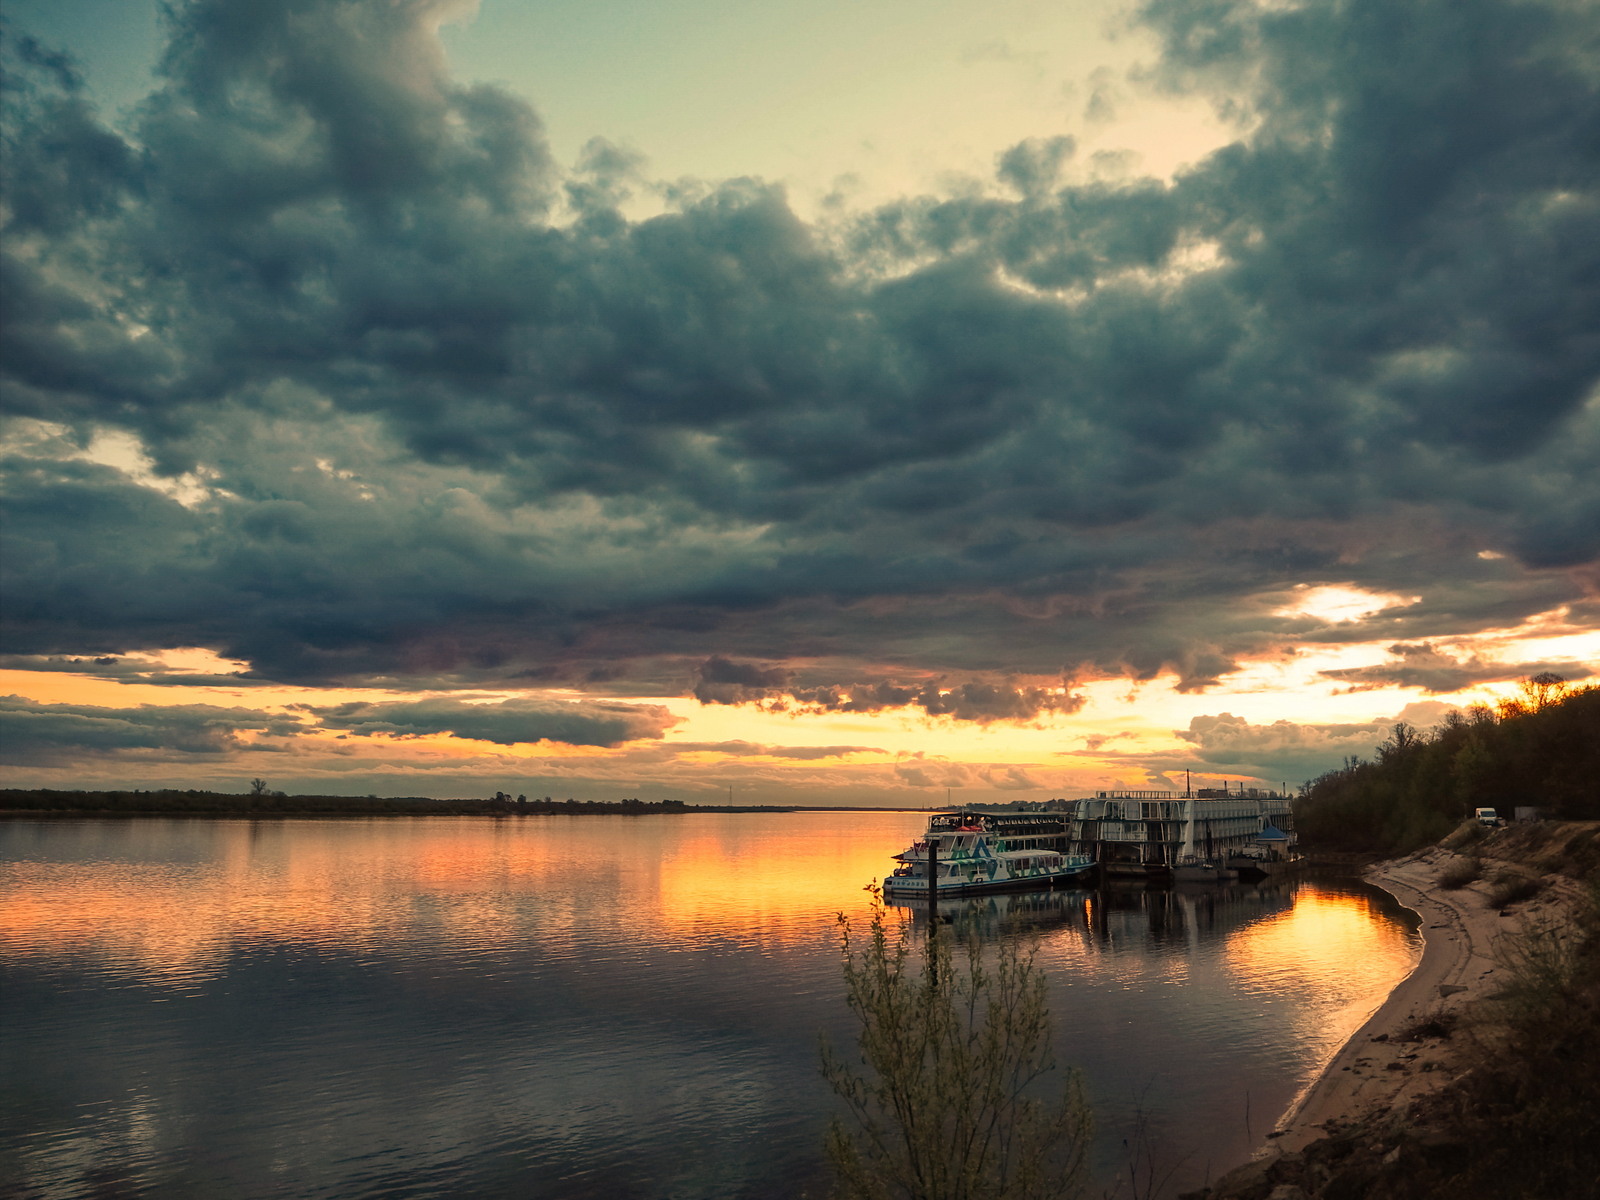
[1376, 1068]
[1383, 1076]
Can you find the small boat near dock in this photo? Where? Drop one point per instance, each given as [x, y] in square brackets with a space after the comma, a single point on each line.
[1194, 869]
[1272, 853]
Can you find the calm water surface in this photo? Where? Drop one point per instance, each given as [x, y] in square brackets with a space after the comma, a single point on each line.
[573, 1007]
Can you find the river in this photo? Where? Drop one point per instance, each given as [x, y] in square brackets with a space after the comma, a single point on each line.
[588, 1006]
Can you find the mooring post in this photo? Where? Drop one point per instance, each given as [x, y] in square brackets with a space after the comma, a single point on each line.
[933, 885]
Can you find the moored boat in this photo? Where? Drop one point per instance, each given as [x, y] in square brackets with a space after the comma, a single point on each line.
[1153, 834]
[988, 852]
[1193, 869]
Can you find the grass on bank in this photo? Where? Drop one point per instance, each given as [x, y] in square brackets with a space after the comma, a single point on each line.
[1460, 873]
[1511, 887]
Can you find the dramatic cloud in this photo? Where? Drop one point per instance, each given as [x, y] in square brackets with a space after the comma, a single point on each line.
[739, 749]
[319, 361]
[51, 733]
[124, 670]
[1425, 667]
[55, 733]
[1283, 747]
[721, 681]
[980, 702]
[509, 722]
[928, 771]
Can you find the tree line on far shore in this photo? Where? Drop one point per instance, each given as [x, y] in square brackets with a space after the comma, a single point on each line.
[262, 802]
[1538, 750]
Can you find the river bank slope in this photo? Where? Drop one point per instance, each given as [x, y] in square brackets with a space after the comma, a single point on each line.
[1480, 1074]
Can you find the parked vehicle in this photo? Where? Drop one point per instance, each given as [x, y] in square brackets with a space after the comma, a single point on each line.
[1488, 816]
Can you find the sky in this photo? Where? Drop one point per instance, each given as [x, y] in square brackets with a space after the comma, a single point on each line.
[826, 403]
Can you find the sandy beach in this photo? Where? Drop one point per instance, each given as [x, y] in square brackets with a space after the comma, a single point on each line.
[1375, 1068]
[1393, 1060]
[1416, 1101]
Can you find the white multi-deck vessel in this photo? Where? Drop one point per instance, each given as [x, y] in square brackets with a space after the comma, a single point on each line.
[1211, 834]
[988, 852]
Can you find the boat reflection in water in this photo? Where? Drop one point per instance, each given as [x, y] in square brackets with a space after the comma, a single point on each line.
[1178, 999]
[1117, 911]
[990, 916]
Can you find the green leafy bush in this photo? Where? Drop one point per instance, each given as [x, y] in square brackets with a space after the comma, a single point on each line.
[947, 1097]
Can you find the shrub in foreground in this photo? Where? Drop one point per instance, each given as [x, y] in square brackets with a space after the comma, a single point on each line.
[946, 1097]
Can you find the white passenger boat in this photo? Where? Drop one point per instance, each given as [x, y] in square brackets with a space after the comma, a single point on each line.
[988, 852]
[1154, 834]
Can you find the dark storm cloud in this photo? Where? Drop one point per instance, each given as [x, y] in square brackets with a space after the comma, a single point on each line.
[720, 680]
[507, 722]
[1432, 670]
[970, 701]
[440, 411]
[122, 670]
[33, 733]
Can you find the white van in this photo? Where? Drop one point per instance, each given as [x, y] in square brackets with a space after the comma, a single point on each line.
[1487, 816]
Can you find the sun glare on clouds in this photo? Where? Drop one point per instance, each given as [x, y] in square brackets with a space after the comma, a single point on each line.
[1341, 603]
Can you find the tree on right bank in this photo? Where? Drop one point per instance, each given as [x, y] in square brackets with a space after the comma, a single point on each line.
[1540, 749]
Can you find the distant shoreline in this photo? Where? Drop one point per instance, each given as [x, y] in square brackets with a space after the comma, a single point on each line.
[53, 804]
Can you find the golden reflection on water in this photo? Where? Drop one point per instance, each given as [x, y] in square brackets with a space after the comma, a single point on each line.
[660, 956]
[1332, 942]
[581, 887]
[369, 886]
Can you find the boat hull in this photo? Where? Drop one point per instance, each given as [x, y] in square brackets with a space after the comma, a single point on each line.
[1136, 870]
[1257, 868]
[1206, 873]
[903, 886]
